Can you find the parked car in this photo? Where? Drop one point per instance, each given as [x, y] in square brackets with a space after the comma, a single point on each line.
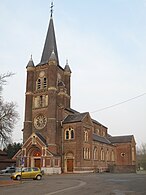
[8, 170]
[27, 173]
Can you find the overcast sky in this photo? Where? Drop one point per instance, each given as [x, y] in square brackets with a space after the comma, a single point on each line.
[105, 44]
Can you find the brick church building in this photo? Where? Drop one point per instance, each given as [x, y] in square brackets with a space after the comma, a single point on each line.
[56, 137]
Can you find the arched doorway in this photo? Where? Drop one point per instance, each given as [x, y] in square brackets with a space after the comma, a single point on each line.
[35, 157]
[69, 162]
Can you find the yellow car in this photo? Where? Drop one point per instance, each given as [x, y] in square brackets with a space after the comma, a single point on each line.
[27, 173]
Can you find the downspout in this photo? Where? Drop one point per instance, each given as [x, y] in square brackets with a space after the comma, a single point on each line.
[62, 149]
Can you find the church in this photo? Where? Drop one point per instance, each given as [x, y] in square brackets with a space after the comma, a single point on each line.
[59, 139]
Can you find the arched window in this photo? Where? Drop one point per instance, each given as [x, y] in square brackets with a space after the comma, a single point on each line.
[45, 83]
[72, 134]
[69, 134]
[39, 84]
[107, 155]
[133, 154]
[102, 154]
[95, 154]
[86, 153]
[41, 101]
[113, 156]
[86, 136]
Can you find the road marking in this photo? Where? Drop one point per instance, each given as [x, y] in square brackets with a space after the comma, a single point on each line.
[119, 192]
[82, 183]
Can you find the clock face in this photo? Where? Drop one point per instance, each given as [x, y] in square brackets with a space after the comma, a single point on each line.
[40, 121]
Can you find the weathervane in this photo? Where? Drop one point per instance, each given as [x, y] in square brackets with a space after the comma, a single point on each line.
[52, 5]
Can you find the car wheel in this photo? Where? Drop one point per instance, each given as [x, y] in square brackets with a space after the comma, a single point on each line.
[38, 177]
[18, 177]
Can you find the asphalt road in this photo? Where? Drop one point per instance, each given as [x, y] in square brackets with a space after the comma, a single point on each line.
[80, 184]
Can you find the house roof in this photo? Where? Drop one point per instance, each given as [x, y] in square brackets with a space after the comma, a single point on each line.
[101, 139]
[78, 117]
[121, 139]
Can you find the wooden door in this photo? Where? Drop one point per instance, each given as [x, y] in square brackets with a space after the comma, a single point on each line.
[37, 162]
[69, 165]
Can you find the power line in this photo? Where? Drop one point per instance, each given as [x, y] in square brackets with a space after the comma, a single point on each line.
[118, 103]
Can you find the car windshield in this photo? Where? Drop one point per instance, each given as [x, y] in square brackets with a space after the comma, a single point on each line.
[35, 169]
[26, 169]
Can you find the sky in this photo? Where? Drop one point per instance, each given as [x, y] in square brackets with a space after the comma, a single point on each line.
[105, 44]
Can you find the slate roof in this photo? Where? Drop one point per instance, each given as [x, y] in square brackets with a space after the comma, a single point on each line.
[41, 138]
[50, 44]
[67, 68]
[96, 122]
[44, 141]
[78, 117]
[120, 139]
[101, 139]
[30, 63]
[72, 110]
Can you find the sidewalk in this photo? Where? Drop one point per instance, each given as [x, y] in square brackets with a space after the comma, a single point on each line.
[6, 181]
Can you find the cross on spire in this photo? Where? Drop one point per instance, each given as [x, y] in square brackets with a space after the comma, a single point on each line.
[50, 42]
[52, 5]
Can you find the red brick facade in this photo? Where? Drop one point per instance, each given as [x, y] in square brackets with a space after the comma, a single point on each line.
[58, 138]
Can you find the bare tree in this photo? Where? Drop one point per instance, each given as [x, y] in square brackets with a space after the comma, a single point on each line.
[141, 156]
[8, 114]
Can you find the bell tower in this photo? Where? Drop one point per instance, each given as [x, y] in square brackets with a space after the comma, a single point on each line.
[47, 90]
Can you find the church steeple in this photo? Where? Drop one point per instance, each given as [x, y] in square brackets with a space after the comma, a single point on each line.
[50, 42]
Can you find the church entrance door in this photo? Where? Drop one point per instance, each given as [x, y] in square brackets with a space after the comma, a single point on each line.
[69, 165]
[37, 162]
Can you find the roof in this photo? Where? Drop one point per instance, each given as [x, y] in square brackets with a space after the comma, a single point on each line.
[101, 139]
[78, 117]
[121, 139]
[41, 138]
[71, 110]
[3, 153]
[67, 68]
[96, 122]
[50, 44]
[30, 63]
[44, 141]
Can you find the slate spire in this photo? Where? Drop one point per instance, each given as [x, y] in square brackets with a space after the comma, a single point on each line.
[30, 63]
[50, 43]
[67, 68]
